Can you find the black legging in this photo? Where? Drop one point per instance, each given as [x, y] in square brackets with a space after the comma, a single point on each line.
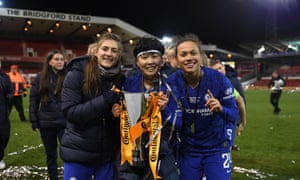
[17, 101]
[275, 96]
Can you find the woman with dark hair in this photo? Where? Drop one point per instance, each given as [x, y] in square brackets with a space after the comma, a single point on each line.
[208, 106]
[44, 108]
[92, 136]
[147, 81]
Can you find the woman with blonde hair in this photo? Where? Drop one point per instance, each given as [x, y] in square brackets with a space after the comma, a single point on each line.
[92, 137]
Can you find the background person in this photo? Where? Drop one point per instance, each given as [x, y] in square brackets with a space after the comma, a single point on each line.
[276, 85]
[217, 65]
[169, 61]
[232, 75]
[92, 48]
[20, 89]
[45, 107]
[92, 137]
[6, 94]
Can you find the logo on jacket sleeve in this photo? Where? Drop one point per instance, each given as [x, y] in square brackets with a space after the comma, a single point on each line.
[228, 93]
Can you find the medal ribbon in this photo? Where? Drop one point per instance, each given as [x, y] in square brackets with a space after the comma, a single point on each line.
[155, 136]
[126, 143]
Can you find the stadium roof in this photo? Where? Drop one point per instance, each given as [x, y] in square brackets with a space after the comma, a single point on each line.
[13, 22]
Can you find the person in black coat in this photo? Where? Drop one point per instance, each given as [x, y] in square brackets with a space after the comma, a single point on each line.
[44, 107]
[92, 136]
[6, 94]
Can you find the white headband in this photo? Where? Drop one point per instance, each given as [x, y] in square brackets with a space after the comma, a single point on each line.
[148, 51]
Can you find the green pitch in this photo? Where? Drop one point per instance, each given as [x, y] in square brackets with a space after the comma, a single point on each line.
[270, 144]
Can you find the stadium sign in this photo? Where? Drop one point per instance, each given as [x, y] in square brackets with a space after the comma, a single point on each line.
[44, 15]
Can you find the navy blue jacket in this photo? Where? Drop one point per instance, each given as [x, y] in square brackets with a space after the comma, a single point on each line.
[92, 135]
[6, 94]
[45, 115]
[232, 75]
[134, 83]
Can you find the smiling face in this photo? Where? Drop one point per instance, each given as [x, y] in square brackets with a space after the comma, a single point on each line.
[108, 53]
[189, 57]
[149, 64]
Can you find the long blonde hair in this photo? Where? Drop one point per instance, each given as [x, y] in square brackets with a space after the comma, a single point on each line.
[92, 77]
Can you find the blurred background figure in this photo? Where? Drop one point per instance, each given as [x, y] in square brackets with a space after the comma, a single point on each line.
[20, 89]
[170, 63]
[45, 112]
[6, 93]
[232, 75]
[241, 123]
[276, 85]
[92, 48]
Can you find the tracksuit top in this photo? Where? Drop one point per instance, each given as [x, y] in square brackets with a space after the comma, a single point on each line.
[201, 130]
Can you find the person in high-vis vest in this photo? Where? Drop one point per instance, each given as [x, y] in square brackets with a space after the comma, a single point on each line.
[20, 89]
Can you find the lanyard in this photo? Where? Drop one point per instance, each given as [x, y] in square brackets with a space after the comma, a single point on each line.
[187, 96]
[157, 83]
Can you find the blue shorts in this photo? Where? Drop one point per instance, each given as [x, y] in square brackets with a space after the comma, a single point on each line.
[79, 171]
[217, 166]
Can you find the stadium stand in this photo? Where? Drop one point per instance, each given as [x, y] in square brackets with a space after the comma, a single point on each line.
[40, 48]
[28, 48]
[11, 47]
[72, 49]
[27, 35]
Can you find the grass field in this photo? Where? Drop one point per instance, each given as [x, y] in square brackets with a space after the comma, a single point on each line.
[270, 145]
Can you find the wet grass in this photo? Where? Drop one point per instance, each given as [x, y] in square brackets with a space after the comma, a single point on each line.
[270, 145]
[25, 154]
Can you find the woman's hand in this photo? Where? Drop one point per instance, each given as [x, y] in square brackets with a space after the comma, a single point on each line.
[212, 103]
[116, 110]
[163, 101]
